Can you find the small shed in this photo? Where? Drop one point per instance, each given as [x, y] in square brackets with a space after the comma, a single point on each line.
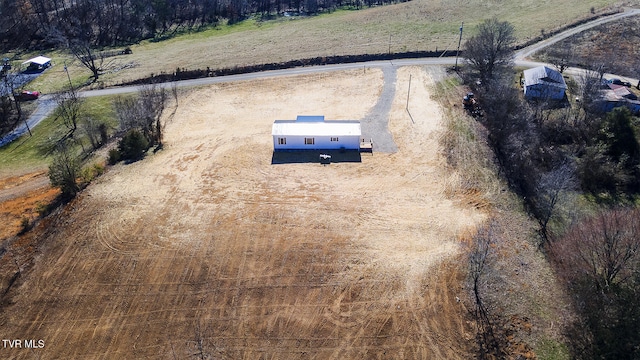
[314, 133]
[38, 63]
[544, 83]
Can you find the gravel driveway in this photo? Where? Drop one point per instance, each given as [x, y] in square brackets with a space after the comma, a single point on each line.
[375, 124]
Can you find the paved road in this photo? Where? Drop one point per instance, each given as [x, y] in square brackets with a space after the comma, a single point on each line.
[275, 73]
[46, 105]
[521, 56]
[529, 50]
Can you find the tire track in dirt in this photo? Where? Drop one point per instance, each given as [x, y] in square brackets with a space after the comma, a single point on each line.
[267, 261]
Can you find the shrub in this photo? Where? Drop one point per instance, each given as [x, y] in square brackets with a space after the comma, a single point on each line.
[64, 171]
[98, 169]
[611, 163]
[86, 175]
[42, 209]
[114, 156]
[89, 173]
[25, 225]
[133, 146]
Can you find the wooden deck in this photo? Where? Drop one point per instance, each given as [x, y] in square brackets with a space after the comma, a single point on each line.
[366, 146]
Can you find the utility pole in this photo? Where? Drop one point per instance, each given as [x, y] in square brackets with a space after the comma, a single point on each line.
[68, 77]
[408, 92]
[459, 42]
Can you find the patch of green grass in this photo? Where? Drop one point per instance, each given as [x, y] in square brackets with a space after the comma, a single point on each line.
[549, 349]
[24, 154]
[101, 109]
[212, 31]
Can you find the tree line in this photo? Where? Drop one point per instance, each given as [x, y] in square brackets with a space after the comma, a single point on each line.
[49, 23]
[141, 126]
[550, 153]
[544, 147]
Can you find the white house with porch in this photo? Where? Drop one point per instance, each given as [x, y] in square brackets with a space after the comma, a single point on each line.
[314, 133]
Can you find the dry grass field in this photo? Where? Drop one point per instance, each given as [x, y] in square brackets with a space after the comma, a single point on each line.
[206, 248]
[613, 45]
[416, 25]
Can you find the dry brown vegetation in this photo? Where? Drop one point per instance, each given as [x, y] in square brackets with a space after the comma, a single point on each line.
[207, 248]
[614, 45]
[418, 25]
[528, 307]
[22, 197]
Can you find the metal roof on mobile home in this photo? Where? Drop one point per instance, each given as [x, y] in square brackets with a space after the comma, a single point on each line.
[304, 127]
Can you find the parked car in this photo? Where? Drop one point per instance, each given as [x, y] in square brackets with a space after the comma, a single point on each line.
[619, 82]
[27, 95]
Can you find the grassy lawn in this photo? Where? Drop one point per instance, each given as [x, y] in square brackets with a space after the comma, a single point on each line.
[411, 26]
[25, 154]
[29, 153]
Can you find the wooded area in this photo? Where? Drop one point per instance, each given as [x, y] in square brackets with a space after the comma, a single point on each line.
[43, 23]
[566, 160]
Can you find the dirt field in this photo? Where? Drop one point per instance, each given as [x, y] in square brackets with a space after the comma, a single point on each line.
[22, 197]
[206, 248]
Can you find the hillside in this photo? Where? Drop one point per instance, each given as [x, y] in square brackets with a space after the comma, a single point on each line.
[208, 248]
[613, 45]
[412, 26]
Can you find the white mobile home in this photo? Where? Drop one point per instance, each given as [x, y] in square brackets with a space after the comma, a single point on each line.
[314, 133]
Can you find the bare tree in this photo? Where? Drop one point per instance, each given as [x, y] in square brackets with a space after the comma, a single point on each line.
[144, 112]
[491, 48]
[65, 169]
[92, 129]
[127, 112]
[479, 257]
[599, 258]
[549, 191]
[10, 90]
[88, 56]
[153, 98]
[560, 57]
[69, 109]
[6, 110]
[590, 82]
